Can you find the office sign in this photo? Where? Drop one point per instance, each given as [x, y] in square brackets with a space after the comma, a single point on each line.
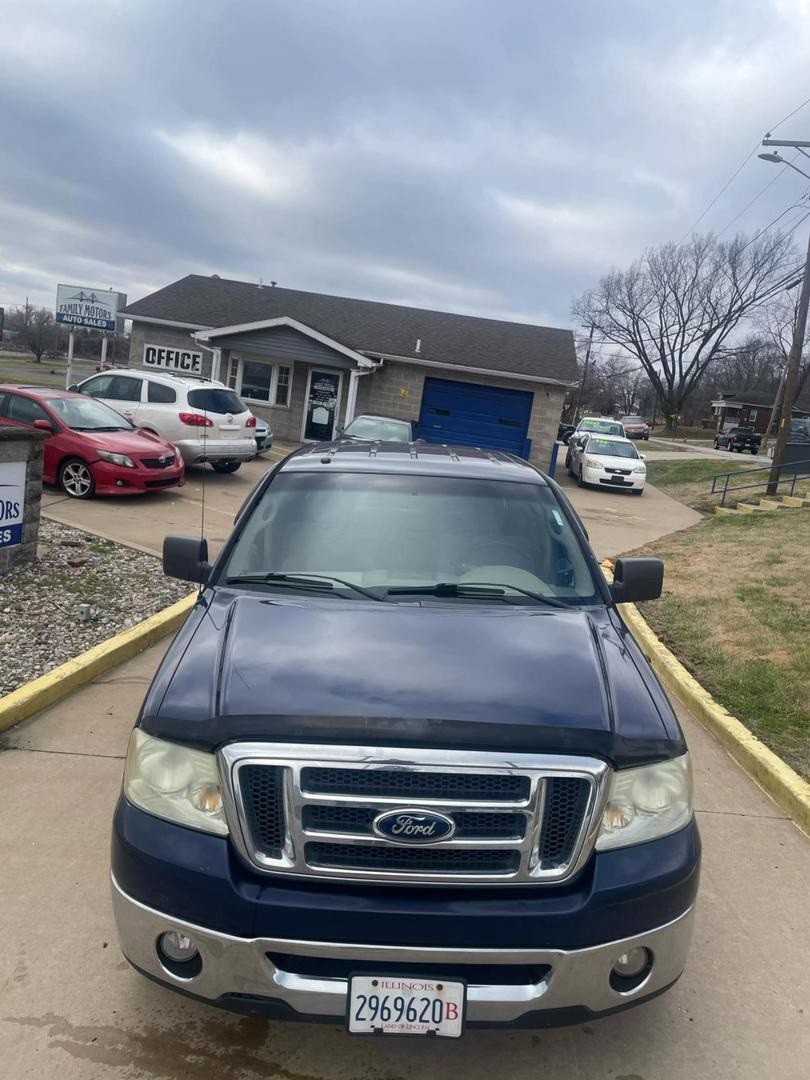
[12, 502]
[183, 360]
[80, 305]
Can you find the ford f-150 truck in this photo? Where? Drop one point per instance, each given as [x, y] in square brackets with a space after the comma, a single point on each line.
[404, 765]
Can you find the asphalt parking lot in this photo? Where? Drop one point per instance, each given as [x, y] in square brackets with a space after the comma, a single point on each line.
[616, 521]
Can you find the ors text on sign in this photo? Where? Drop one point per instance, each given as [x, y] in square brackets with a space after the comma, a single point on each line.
[12, 502]
[158, 356]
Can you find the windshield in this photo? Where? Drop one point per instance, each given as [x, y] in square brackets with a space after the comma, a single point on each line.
[610, 448]
[211, 399]
[377, 429]
[86, 414]
[605, 427]
[383, 531]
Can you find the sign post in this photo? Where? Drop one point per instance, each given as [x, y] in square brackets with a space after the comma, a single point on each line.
[69, 372]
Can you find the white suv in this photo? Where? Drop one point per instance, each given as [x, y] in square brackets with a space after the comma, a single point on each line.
[204, 419]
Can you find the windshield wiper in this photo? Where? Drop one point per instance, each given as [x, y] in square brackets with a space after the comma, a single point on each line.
[324, 582]
[495, 589]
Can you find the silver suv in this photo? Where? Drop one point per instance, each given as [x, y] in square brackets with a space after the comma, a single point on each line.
[204, 419]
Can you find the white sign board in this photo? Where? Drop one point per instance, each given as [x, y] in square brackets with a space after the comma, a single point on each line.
[12, 502]
[184, 360]
[79, 305]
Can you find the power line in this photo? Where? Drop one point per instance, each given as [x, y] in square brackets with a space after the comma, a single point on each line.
[738, 170]
[758, 195]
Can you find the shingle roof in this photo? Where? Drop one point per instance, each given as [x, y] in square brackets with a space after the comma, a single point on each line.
[369, 326]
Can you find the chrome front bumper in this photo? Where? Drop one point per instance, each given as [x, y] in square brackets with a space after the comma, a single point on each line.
[241, 966]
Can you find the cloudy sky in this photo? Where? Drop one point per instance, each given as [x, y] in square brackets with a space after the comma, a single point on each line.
[476, 156]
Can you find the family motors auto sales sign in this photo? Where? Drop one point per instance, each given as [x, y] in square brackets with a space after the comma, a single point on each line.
[78, 305]
[12, 502]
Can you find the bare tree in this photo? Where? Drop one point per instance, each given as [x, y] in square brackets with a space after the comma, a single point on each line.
[40, 331]
[776, 321]
[676, 306]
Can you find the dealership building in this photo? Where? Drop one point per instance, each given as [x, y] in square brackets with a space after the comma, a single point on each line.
[308, 362]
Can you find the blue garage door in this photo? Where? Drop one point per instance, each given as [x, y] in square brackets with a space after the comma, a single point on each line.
[468, 414]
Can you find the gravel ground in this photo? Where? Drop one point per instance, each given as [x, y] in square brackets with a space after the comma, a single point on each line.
[40, 622]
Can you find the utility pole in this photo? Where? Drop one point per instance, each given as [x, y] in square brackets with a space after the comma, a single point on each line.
[799, 327]
[777, 408]
[584, 373]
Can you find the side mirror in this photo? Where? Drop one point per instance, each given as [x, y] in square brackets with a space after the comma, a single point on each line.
[186, 558]
[637, 579]
[643, 457]
[44, 425]
[74, 388]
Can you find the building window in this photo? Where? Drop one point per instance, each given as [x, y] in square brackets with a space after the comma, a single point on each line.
[752, 416]
[255, 380]
[282, 394]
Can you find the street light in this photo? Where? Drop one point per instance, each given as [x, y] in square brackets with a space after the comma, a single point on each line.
[799, 329]
[777, 159]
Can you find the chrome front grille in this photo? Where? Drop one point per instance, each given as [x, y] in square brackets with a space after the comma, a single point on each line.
[309, 810]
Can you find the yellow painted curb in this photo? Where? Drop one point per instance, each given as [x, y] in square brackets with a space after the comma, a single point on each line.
[787, 789]
[63, 680]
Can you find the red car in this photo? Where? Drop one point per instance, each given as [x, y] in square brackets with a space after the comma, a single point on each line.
[90, 449]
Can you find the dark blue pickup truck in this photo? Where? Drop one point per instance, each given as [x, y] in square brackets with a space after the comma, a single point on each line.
[404, 766]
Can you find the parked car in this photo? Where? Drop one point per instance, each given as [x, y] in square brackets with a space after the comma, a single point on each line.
[264, 435]
[606, 461]
[738, 439]
[564, 432]
[90, 449]
[601, 424]
[430, 779]
[636, 427]
[204, 419]
[369, 428]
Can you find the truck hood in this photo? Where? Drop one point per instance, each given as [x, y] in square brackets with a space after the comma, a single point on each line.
[292, 668]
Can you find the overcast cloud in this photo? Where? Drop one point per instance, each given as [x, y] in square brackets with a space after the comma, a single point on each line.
[482, 157]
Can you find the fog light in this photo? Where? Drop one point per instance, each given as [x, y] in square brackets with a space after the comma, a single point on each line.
[629, 964]
[631, 970]
[177, 946]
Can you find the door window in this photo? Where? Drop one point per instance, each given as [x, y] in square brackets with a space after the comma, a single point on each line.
[98, 387]
[125, 389]
[24, 410]
[322, 403]
[160, 394]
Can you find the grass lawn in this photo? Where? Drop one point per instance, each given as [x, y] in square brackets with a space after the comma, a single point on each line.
[735, 612]
[690, 481]
[16, 369]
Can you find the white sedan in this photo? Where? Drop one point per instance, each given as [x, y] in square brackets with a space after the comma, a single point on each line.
[606, 461]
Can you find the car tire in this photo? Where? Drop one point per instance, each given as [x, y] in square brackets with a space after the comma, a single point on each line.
[580, 481]
[568, 463]
[754, 451]
[76, 480]
[225, 466]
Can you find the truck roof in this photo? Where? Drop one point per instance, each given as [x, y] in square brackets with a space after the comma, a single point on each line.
[427, 459]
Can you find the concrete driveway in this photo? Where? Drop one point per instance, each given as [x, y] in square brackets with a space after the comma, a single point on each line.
[616, 520]
[72, 1008]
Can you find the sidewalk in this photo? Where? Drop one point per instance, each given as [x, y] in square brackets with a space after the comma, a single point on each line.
[72, 1007]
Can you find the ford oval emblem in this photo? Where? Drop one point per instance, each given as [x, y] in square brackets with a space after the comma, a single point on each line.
[413, 826]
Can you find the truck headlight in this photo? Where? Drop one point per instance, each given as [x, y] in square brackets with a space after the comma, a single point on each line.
[646, 802]
[174, 782]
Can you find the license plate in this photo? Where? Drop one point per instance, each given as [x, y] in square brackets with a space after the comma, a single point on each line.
[390, 1005]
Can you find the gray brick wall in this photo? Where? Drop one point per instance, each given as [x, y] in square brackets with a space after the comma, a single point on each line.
[21, 445]
[382, 393]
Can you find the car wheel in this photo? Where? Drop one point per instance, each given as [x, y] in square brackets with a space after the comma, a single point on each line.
[754, 451]
[76, 480]
[580, 481]
[568, 462]
[225, 466]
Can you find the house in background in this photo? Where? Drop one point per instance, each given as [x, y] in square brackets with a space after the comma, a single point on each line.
[308, 362]
[745, 408]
